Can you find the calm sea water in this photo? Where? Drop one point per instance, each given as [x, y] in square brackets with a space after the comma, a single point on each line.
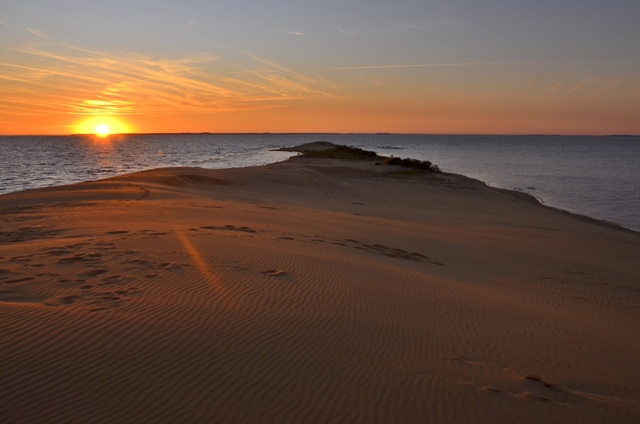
[594, 176]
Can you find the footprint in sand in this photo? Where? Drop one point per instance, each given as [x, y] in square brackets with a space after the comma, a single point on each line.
[5, 273]
[230, 227]
[19, 280]
[95, 301]
[70, 259]
[80, 257]
[535, 378]
[274, 273]
[170, 266]
[92, 273]
[113, 279]
[68, 300]
[532, 386]
[533, 397]
[20, 259]
[105, 244]
[381, 249]
[152, 233]
[141, 262]
[56, 251]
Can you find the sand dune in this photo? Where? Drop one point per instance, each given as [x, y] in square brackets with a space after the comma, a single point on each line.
[312, 291]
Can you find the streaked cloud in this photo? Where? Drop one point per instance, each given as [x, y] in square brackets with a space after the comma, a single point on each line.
[300, 82]
[297, 33]
[57, 78]
[38, 33]
[435, 65]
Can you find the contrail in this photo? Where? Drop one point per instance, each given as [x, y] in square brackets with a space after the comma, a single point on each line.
[435, 65]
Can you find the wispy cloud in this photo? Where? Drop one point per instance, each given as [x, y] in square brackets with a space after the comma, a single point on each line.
[297, 33]
[56, 78]
[38, 33]
[436, 65]
[296, 82]
[346, 32]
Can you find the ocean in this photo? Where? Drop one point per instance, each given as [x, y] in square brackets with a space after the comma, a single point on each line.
[594, 176]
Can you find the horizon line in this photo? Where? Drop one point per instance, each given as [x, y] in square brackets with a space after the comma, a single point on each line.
[321, 133]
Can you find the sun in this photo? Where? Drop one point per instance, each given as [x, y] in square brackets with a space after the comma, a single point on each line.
[102, 130]
[103, 126]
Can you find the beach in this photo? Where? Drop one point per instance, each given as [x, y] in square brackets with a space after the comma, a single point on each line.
[312, 291]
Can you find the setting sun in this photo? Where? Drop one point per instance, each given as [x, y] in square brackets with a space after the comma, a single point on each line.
[102, 126]
[102, 130]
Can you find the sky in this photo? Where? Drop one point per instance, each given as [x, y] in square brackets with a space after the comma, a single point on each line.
[402, 66]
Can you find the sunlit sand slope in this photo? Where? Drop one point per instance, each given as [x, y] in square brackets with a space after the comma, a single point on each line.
[312, 291]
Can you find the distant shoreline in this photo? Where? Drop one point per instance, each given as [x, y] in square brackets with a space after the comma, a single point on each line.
[326, 133]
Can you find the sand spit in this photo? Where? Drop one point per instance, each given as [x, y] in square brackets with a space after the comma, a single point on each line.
[312, 291]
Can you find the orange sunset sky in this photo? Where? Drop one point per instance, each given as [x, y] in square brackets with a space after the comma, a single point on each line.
[320, 66]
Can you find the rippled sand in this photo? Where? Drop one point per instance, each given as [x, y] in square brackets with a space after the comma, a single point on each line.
[312, 291]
